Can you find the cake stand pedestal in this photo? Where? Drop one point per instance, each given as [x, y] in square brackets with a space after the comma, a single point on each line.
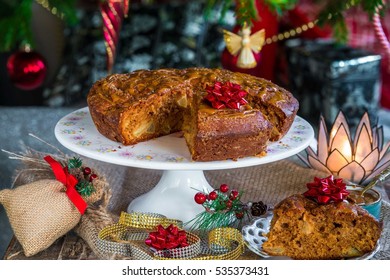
[182, 178]
[173, 196]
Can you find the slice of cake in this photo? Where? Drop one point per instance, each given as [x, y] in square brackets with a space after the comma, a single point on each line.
[304, 229]
[213, 134]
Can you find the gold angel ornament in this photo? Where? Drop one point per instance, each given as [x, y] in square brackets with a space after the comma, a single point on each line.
[244, 44]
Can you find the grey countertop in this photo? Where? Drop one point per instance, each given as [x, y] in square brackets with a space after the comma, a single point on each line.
[17, 122]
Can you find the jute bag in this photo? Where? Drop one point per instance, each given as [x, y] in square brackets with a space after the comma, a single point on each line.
[42, 211]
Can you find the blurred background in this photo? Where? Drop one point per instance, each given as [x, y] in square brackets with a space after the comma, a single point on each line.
[332, 56]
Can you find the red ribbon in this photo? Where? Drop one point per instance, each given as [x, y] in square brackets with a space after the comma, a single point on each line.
[327, 190]
[168, 238]
[62, 175]
[226, 95]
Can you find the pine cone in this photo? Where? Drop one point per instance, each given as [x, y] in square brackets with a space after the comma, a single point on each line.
[258, 208]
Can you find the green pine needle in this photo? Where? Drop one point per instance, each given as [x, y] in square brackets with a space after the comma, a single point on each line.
[217, 214]
[15, 21]
[74, 163]
[85, 188]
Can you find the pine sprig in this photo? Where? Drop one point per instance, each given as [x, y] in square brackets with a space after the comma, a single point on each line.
[222, 209]
[85, 188]
[15, 21]
[334, 14]
[246, 10]
[74, 163]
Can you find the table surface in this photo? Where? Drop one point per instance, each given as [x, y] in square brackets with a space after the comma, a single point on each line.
[18, 122]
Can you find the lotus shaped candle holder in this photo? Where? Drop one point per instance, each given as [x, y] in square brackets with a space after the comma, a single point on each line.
[357, 159]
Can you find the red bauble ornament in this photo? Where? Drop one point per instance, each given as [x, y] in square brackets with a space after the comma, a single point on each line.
[27, 70]
[200, 198]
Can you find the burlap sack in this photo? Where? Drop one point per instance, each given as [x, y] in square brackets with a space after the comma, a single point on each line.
[39, 213]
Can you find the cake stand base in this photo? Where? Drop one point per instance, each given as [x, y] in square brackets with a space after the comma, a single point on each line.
[173, 196]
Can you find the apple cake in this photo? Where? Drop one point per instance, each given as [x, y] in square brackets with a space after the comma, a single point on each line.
[145, 104]
[303, 229]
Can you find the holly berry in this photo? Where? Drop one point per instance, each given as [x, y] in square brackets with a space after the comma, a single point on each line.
[213, 195]
[200, 198]
[229, 204]
[87, 171]
[224, 188]
[92, 177]
[233, 194]
[239, 215]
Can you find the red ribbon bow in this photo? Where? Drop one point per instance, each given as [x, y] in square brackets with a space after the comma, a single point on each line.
[62, 175]
[222, 95]
[168, 238]
[327, 190]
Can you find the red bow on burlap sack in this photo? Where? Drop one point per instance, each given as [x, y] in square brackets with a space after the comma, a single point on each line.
[62, 175]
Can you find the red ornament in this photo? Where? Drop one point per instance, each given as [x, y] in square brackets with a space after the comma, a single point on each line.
[327, 190]
[113, 12]
[168, 238]
[27, 70]
[200, 198]
[213, 195]
[226, 95]
[224, 188]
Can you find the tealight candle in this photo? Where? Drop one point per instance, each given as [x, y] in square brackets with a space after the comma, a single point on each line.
[357, 159]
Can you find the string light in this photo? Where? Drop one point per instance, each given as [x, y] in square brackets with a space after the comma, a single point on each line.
[54, 11]
[290, 33]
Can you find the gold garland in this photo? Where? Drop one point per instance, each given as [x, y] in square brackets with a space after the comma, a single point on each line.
[128, 235]
[291, 33]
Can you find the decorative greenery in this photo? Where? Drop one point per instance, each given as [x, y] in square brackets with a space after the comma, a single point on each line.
[224, 208]
[334, 11]
[15, 19]
[85, 188]
[246, 11]
[74, 163]
[85, 182]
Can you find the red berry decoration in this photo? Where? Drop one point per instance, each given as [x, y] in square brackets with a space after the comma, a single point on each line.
[200, 198]
[213, 195]
[233, 194]
[92, 177]
[229, 204]
[224, 188]
[239, 215]
[87, 171]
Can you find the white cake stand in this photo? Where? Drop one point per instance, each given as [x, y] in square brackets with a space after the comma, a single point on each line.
[182, 178]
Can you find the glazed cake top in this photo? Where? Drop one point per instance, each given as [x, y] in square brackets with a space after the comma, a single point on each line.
[120, 91]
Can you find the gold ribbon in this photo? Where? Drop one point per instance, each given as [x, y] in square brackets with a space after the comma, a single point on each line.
[127, 238]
